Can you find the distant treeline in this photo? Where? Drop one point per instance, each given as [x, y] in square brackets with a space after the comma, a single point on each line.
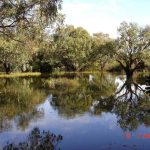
[41, 42]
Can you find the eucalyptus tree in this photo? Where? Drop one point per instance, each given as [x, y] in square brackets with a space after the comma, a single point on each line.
[26, 12]
[132, 45]
[13, 55]
[17, 54]
[72, 45]
[102, 51]
[44, 45]
[23, 25]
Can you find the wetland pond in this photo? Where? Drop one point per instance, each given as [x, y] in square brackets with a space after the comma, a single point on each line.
[80, 112]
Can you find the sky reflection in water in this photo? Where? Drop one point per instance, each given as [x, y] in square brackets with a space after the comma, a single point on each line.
[90, 116]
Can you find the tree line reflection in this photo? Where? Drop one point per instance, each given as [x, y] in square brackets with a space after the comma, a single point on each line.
[128, 100]
[104, 93]
[18, 101]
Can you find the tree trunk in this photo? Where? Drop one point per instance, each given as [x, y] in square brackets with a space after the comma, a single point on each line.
[7, 67]
[127, 69]
[129, 73]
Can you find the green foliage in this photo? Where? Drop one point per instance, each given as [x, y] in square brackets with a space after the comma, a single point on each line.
[104, 50]
[14, 54]
[72, 45]
[34, 38]
[22, 32]
[76, 50]
[131, 44]
[25, 13]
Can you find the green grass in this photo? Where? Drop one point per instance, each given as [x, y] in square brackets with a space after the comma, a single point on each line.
[36, 74]
[19, 74]
[57, 73]
[26, 74]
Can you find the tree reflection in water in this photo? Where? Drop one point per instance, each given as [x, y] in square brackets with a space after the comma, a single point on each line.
[128, 101]
[38, 140]
[132, 106]
[77, 101]
[148, 83]
[23, 120]
[18, 101]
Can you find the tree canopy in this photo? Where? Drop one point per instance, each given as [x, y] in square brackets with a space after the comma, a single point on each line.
[33, 34]
[13, 12]
[131, 44]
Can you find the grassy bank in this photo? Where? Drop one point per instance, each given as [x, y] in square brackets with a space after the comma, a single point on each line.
[63, 73]
[19, 74]
[32, 74]
[53, 74]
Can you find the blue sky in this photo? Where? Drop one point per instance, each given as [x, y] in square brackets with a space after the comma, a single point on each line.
[106, 15]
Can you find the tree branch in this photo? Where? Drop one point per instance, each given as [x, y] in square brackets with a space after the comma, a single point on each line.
[121, 64]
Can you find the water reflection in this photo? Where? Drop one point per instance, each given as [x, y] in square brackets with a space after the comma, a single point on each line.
[125, 98]
[18, 100]
[38, 140]
[132, 105]
[148, 83]
[59, 100]
[71, 102]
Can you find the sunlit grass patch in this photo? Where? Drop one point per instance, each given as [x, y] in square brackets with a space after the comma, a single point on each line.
[19, 74]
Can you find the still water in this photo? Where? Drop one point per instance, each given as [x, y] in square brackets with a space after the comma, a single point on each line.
[90, 112]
